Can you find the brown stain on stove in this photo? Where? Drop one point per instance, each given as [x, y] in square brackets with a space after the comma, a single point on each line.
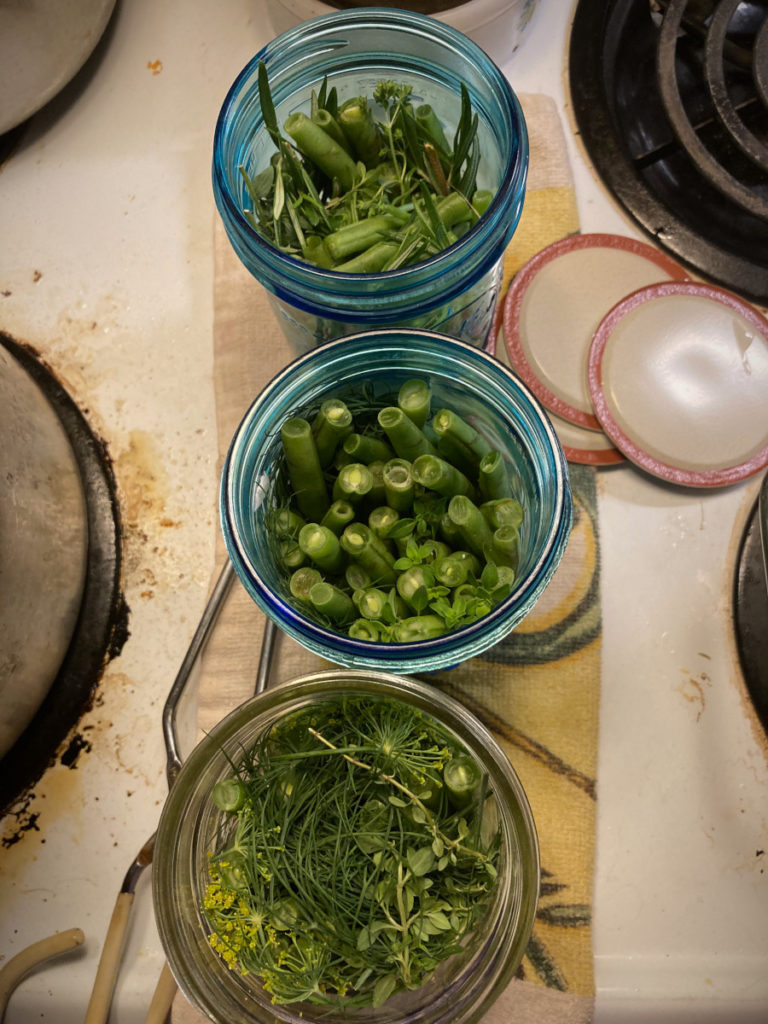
[692, 689]
[144, 490]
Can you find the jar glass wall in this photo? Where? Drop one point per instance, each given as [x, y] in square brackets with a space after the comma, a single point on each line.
[453, 292]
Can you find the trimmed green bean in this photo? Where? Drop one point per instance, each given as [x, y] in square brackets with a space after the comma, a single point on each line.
[304, 470]
[291, 554]
[438, 475]
[353, 483]
[378, 492]
[463, 779]
[447, 422]
[286, 524]
[405, 437]
[362, 629]
[419, 627]
[340, 514]
[321, 149]
[410, 581]
[451, 571]
[453, 451]
[302, 581]
[355, 238]
[381, 520]
[399, 484]
[414, 399]
[367, 449]
[503, 512]
[505, 546]
[332, 602]
[492, 476]
[322, 547]
[361, 130]
[429, 122]
[331, 126]
[472, 524]
[370, 261]
[356, 577]
[329, 428]
[371, 603]
[358, 541]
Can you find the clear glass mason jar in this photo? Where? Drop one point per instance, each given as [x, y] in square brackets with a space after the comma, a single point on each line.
[461, 989]
[454, 292]
[461, 377]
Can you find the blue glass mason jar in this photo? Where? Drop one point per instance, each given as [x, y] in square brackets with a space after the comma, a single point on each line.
[454, 292]
[462, 378]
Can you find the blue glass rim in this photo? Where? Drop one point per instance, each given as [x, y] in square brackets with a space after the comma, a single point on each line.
[449, 648]
[492, 231]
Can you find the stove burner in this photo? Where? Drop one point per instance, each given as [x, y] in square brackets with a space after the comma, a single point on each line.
[671, 100]
[100, 626]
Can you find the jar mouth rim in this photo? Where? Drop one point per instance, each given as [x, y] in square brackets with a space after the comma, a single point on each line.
[450, 647]
[512, 177]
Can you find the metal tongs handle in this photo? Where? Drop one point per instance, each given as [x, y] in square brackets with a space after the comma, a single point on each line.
[112, 951]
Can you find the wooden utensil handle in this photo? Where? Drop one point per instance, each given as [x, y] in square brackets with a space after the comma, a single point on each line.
[109, 963]
[163, 997]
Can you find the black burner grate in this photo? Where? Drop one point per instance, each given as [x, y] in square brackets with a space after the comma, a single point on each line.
[670, 100]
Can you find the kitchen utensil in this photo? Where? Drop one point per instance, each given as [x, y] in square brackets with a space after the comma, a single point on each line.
[29, 958]
[109, 962]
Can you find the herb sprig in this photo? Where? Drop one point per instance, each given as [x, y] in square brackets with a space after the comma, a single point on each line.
[351, 869]
[380, 171]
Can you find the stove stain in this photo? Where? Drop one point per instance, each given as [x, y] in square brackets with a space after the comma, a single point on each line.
[75, 747]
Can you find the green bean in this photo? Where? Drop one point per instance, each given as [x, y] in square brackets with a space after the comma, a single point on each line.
[505, 546]
[304, 470]
[362, 629]
[450, 532]
[447, 422]
[314, 251]
[399, 484]
[454, 208]
[463, 779]
[438, 475]
[291, 554]
[361, 130]
[405, 437]
[286, 524]
[381, 520]
[332, 602]
[378, 492]
[321, 149]
[340, 514]
[481, 200]
[492, 476]
[331, 126]
[366, 448]
[410, 581]
[472, 524]
[370, 261]
[353, 483]
[414, 399]
[322, 547]
[435, 550]
[354, 238]
[329, 428]
[302, 581]
[371, 603]
[419, 627]
[358, 541]
[503, 512]
[453, 451]
[356, 577]
[451, 572]
[507, 576]
[429, 122]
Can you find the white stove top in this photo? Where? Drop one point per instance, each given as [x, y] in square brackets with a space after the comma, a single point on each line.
[106, 266]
